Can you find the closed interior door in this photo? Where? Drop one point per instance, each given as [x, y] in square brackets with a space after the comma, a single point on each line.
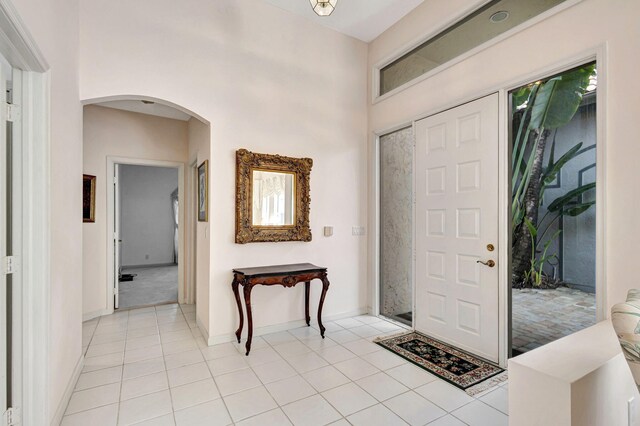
[4, 215]
[457, 226]
[117, 241]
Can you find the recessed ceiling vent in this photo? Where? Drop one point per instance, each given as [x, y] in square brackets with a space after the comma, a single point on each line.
[500, 16]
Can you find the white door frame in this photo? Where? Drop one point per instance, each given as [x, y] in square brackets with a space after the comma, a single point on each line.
[191, 250]
[111, 162]
[31, 211]
[597, 53]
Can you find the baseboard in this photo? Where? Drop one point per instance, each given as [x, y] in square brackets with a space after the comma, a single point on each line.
[95, 314]
[150, 265]
[335, 317]
[203, 330]
[275, 328]
[62, 406]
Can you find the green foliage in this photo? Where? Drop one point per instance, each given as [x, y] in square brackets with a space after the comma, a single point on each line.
[559, 99]
[537, 108]
[569, 200]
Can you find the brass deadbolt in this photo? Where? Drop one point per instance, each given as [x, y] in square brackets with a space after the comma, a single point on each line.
[490, 247]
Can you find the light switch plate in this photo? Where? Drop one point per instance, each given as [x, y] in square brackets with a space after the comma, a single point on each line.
[357, 231]
[328, 231]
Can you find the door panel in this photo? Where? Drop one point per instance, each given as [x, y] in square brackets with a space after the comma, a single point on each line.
[456, 218]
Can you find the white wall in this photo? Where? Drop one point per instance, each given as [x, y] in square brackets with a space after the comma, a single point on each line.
[147, 225]
[54, 26]
[112, 132]
[581, 28]
[269, 81]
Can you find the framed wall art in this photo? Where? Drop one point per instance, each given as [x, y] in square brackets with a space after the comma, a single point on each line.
[272, 198]
[88, 198]
[203, 190]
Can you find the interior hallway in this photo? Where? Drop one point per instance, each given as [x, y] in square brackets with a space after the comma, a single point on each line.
[151, 366]
[152, 285]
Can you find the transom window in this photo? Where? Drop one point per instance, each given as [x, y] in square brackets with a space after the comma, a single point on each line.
[486, 23]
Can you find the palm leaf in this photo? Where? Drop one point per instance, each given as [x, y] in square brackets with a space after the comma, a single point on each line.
[532, 229]
[563, 200]
[521, 142]
[550, 174]
[559, 98]
[577, 210]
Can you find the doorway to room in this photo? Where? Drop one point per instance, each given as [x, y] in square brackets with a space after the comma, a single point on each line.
[553, 204]
[146, 243]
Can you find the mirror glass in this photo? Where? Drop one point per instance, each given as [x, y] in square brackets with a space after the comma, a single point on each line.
[273, 198]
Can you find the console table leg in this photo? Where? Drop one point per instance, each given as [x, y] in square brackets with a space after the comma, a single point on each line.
[247, 303]
[306, 302]
[236, 293]
[325, 287]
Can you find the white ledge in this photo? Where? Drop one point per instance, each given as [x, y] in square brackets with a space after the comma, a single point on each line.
[582, 379]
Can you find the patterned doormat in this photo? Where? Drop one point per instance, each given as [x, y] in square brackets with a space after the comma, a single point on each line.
[459, 368]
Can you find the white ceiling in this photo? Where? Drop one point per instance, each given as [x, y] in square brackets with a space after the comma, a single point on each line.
[362, 19]
[151, 109]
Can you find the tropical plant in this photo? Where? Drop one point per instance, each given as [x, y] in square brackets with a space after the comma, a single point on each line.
[534, 273]
[541, 108]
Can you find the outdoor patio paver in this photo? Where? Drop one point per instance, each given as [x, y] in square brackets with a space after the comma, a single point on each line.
[542, 316]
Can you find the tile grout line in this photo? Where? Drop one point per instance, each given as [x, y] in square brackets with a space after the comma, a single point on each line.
[126, 334]
[93, 387]
[224, 403]
[305, 341]
[273, 347]
[300, 374]
[166, 371]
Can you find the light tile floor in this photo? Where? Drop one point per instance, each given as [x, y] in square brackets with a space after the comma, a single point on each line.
[542, 316]
[151, 366]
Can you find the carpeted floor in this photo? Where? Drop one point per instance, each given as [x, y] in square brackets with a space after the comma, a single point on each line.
[152, 286]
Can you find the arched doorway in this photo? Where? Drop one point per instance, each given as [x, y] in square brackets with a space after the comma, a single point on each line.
[144, 132]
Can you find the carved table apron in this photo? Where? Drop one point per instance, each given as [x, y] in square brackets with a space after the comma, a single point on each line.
[284, 275]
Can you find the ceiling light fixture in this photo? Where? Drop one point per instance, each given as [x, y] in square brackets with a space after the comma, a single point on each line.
[323, 7]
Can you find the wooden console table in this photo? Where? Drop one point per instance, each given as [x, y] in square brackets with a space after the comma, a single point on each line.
[284, 275]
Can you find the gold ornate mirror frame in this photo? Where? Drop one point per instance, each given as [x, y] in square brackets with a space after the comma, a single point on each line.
[246, 231]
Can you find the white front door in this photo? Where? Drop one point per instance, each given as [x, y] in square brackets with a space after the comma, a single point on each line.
[457, 226]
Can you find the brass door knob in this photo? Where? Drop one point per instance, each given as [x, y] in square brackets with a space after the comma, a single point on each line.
[489, 263]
